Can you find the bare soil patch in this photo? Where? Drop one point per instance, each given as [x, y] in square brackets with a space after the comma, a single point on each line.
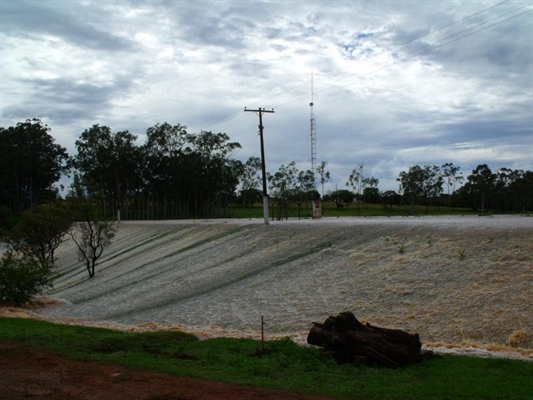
[28, 373]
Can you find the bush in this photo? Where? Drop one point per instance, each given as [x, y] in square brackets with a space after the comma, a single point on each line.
[7, 220]
[21, 279]
[40, 232]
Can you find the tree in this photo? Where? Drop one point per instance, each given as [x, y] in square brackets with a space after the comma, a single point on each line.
[21, 279]
[8, 220]
[108, 165]
[324, 175]
[354, 181]
[212, 150]
[370, 189]
[521, 189]
[282, 185]
[251, 196]
[170, 172]
[432, 183]
[92, 236]
[226, 187]
[250, 179]
[504, 178]
[30, 164]
[304, 191]
[389, 198]
[421, 182]
[451, 175]
[341, 197]
[411, 184]
[40, 232]
[482, 182]
[371, 195]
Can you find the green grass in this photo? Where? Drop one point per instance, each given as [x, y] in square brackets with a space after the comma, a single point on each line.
[286, 366]
[329, 209]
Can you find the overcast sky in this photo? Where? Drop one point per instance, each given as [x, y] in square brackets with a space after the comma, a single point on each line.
[396, 83]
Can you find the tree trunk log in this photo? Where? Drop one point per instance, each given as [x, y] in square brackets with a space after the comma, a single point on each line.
[348, 340]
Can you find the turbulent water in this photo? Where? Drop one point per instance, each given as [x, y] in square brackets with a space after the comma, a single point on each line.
[452, 280]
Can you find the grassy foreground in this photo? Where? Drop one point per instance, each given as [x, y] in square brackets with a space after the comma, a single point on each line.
[286, 366]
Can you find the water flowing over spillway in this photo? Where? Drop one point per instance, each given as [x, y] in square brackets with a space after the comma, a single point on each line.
[451, 279]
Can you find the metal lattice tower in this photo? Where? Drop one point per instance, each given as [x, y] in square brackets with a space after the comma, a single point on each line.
[313, 135]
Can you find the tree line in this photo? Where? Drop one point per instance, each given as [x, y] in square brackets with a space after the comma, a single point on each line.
[503, 190]
[177, 174]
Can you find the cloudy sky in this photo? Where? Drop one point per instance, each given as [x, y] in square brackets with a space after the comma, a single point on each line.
[395, 83]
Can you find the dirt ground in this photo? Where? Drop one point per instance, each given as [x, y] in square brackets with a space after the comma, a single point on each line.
[37, 374]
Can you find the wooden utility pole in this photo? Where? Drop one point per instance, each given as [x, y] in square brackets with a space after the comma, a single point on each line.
[260, 112]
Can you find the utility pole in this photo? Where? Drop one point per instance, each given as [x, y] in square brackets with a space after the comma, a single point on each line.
[260, 112]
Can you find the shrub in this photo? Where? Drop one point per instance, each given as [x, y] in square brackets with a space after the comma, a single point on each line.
[21, 279]
[40, 232]
[7, 220]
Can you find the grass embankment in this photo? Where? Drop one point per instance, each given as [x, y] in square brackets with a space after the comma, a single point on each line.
[286, 366]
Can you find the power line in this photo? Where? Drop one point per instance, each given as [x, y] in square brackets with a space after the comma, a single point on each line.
[428, 48]
[447, 26]
[417, 52]
[306, 83]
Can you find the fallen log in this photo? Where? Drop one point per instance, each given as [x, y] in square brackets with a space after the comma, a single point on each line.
[349, 341]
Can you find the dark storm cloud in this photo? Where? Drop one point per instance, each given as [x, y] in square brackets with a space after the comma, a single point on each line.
[208, 24]
[139, 62]
[35, 19]
[479, 45]
[63, 100]
[493, 130]
[85, 94]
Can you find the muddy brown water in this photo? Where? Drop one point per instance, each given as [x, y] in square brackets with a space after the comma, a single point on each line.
[451, 279]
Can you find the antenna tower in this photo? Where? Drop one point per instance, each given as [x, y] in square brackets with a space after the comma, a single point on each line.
[313, 134]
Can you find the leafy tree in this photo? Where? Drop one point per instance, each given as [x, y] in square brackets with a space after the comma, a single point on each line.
[411, 184]
[371, 195]
[226, 186]
[432, 183]
[389, 198]
[521, 189]
[40, 232]
[170, 169]
[354, 181]
[281, 185]
[213, 150]
[250, 180]
[304, 191]
[370, 189]
[341, 197]
[324, 175]
[423, 182]
[504, 178]
[452, 176]
[8, 220]
[187, 173]
[174, 174]
[108, 166]
[92, 235]
[30, 164]
[21, 279]
[251, 196]
[482, 183]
